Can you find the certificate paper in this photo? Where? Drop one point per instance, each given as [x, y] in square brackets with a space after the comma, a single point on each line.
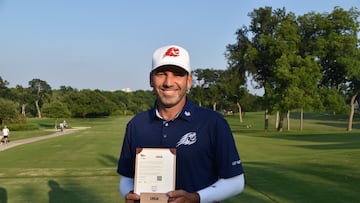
[154, 170]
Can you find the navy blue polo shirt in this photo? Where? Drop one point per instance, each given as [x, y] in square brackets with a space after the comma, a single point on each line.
[205, 147]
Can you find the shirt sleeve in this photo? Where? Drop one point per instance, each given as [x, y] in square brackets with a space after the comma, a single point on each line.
[126, 163]
[126, 185]
[222, 189]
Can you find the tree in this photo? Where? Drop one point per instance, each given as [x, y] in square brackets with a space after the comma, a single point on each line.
[8, 111]
[23, 97]
[139, 101]
[39, 90]
[56, 110]
[269, 51]
[4, 90]
[208, 80]
[88, 103]
[354, 90]
[333, 39]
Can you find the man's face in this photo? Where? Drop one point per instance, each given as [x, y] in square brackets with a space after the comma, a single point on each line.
[170, 84]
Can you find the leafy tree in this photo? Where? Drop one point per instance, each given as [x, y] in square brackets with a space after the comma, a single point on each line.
[88, 103]
[120, 98]
[208, 80]
[197, 95]
[4, 90]
[140, 100]
[333, 101]
[231, 85]
[22, 96]
[39, 90]
[354, 91]
[333, 39]
[56, 110]
[269, 51]
[8, 111]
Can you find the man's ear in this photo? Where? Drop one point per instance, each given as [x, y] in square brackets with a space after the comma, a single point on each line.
[189, 82]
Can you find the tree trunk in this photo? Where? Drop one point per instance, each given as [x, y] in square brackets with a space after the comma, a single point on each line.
[38, 108]
[23, 110]
[301, 119]
[277, 120]
[351, 115]
[240, 111]
[266, 117]
[288, 120]
[214, 106]
[55, 124]
[280, 123]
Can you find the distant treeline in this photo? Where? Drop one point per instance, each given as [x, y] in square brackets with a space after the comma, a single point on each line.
[40, 100]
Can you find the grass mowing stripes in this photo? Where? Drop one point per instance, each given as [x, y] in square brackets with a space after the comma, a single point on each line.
[319, 164]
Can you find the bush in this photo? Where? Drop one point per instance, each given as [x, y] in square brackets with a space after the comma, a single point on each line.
[8, 111]
[22, 126]
[56, 110]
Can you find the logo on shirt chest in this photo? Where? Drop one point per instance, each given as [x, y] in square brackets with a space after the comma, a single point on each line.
[187, 139]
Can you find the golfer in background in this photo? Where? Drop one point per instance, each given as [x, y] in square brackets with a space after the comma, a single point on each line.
[208, 165]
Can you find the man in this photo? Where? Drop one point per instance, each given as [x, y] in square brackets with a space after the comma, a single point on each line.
[208, 166]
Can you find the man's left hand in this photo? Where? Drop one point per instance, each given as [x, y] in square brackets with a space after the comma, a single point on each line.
[181, 196]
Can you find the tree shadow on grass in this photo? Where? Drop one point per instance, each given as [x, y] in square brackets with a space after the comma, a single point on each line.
[57, 194]
[309, 182]
[76, 194]
[323, 141]
[108, 160]
[249, 195]
[343, 125]
[3, 195]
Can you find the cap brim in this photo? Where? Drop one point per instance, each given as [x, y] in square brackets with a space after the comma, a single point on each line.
[171, 68]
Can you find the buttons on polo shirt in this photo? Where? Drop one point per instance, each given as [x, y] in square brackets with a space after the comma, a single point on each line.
[166, 124]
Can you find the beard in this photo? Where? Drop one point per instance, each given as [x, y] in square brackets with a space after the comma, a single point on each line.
[167, 100]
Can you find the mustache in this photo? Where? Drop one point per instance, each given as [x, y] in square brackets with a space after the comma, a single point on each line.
[164, 87]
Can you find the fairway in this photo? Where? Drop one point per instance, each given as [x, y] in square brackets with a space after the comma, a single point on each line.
[319, 164]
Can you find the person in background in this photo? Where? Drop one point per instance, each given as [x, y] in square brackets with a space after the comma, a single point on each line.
[1, 137]
[61, 127]
[6, 134]
[208, 165]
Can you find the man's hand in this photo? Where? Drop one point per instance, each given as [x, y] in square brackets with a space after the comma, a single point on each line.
[131, 197]
[181, 196]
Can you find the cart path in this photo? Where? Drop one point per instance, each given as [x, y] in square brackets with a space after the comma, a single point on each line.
[15, 143]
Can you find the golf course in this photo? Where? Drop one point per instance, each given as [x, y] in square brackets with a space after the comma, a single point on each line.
[320, 163]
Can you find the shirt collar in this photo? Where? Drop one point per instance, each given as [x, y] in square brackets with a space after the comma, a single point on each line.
[186, 113]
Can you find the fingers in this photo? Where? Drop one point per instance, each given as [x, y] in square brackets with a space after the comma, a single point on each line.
[183, 196]
[177, 193]
[132, 198]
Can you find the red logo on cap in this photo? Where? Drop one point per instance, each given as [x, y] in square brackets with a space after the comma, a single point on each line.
[173, 51]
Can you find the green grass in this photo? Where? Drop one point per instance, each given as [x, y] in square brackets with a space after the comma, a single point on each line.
[319, 164]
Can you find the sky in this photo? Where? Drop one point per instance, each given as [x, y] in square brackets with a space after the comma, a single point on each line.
[108, 44]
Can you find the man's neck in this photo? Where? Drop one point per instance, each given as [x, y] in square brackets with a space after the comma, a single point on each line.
[170, 113]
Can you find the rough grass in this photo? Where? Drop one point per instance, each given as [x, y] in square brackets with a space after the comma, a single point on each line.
[319, 164]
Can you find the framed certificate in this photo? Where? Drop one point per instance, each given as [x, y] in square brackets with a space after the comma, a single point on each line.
[155, 171]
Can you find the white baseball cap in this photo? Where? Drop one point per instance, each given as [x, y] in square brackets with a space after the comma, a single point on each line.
[171, 55]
